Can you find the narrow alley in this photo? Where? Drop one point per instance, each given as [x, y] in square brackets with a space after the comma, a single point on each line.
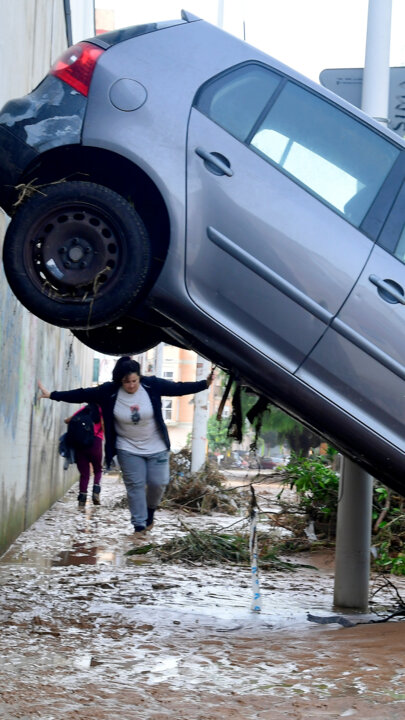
[91, 633]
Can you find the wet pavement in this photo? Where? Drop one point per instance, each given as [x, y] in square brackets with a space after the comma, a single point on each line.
[88, 632]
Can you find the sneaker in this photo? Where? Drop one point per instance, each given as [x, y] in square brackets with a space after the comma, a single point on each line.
[96, 495]
[139, 529]
[82, 497]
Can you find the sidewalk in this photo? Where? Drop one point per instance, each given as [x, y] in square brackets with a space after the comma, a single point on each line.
[92, 634]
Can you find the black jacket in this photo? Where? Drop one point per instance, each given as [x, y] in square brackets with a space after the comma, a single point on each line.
[106, 394]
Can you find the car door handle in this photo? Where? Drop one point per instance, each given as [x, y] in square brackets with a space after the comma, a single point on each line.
[388, 290]
[215, 162]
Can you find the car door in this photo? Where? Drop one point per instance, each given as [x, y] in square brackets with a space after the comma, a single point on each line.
[272, 248]
[360, 361]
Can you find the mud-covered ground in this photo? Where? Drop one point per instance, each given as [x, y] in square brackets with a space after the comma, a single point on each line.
[88, 633]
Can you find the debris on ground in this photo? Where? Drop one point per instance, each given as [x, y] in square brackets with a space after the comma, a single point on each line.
[213, 547]
[91, 633]
[203, 491]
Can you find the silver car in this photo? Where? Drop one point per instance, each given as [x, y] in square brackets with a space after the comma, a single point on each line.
[170, 182]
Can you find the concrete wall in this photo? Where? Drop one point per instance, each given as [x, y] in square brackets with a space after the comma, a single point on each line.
[32, 36]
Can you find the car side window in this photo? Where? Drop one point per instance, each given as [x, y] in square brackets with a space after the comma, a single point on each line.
[399, 251]
[236, 99]
[392, 237]
[329, 152]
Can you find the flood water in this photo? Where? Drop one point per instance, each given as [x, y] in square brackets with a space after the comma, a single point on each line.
[89, 633]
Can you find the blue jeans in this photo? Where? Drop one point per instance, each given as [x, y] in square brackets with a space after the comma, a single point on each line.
[146, 478]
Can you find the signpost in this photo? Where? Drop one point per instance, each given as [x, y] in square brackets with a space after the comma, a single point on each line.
[348, 83]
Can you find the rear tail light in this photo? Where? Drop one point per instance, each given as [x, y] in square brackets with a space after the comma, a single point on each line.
[76, 66]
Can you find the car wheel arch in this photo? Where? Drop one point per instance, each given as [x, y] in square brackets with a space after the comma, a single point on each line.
[107, 168]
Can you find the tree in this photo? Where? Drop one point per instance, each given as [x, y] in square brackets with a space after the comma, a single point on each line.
[298, 437]
[276, 427]
[217, 434]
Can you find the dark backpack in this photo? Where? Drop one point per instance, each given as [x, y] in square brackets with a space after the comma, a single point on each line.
[66, 451]
[80, 432]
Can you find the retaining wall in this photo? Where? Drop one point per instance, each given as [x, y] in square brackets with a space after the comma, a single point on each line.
[32, 36]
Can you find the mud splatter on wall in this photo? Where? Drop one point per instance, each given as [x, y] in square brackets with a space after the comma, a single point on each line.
[10, 344]
[31, 471]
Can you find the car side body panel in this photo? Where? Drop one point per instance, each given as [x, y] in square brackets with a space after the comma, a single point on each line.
[360, 361]
[278, 265]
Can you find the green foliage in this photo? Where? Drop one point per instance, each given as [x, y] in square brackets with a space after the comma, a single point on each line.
[316, 483]
[278, 420]
[380, 496]
[217, 434]
[317, 488]
[386, 563]
[210, 547]
[331, 455]
[388, 530]
[276, 427]
[279, 427]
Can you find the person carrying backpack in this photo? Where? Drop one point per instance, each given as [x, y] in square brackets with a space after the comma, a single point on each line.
[85, 436]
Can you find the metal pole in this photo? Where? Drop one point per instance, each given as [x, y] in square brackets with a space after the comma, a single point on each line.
[68, 22]
[200, 419]
[220, 14]
[158, 360]
[376, 76]
[353, 532]
[353, 537]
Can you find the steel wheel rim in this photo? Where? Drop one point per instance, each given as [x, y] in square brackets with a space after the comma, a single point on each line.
[75, 251]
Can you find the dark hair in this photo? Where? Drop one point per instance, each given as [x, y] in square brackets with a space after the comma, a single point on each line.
[94, 411]
[124, 366]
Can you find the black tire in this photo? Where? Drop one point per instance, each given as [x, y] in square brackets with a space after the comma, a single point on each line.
[125, 336]
[76, 254]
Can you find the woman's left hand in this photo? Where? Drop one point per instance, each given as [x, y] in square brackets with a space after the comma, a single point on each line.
[210, 378]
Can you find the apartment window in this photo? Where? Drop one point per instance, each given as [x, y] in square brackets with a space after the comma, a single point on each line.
[167, 408]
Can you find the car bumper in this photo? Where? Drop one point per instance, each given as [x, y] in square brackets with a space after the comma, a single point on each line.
[50, 116]
[15, 156]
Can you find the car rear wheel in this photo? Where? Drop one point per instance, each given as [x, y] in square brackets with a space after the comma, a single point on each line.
[125, 336]
[76, 254]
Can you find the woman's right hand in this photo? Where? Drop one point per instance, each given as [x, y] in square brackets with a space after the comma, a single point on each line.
[44, 393]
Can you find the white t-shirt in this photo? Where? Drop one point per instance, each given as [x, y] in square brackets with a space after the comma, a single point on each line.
[135, 424]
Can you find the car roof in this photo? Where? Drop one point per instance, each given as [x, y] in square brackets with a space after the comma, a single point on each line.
[216, 57]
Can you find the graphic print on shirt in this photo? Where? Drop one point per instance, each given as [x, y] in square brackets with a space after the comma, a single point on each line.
[135, 415]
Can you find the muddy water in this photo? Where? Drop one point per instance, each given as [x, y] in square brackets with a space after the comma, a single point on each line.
[92, 634]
